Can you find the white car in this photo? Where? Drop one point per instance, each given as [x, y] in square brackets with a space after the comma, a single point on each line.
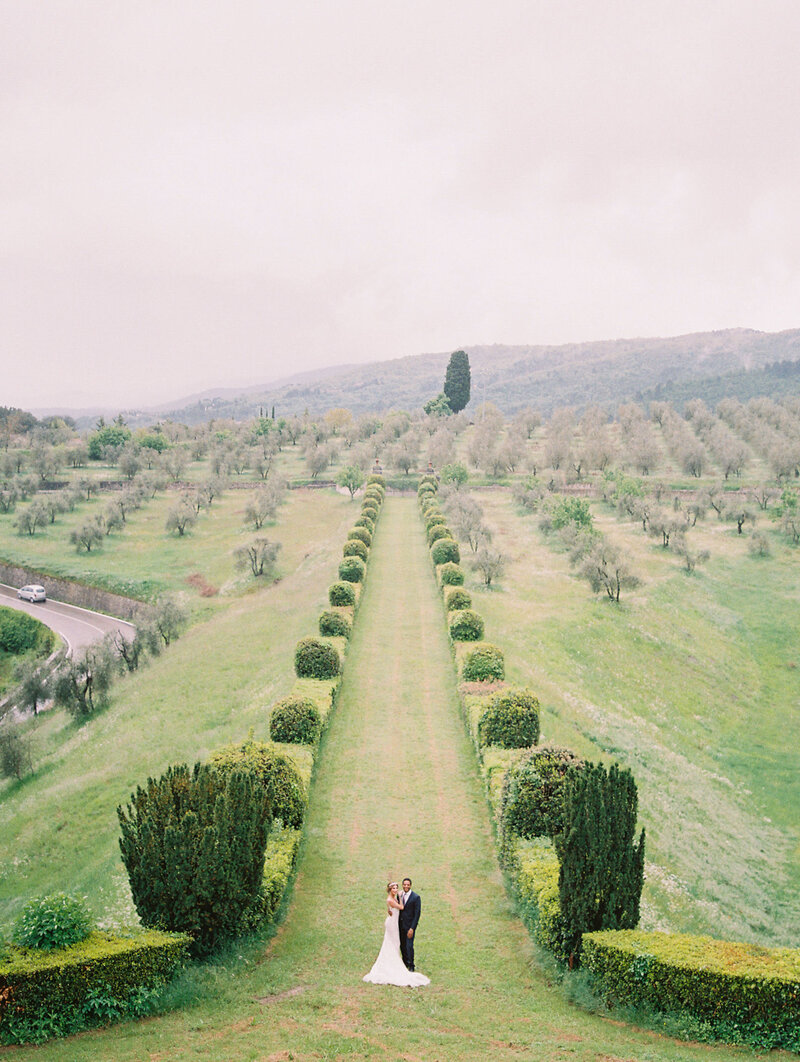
[32, 593]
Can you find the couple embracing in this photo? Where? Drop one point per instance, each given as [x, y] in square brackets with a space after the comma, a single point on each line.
[395, 962]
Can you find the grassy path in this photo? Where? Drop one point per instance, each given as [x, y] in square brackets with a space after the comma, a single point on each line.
[397, 793]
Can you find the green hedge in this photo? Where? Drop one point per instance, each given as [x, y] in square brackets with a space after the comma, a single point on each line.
[534, 870]
[20, 632]
[316, 659]
[342, 594]
[465, 625]
[739, 986]
[104, 978]
[456, 598]
[352, 570]
[369, 509]
[334, 624]
[451, 575]
[279, 861]
[533, 791]
[377, 478]
[296, 721]
[364, 521]
[437, 532]
[510, 720]
[446, 551]
[354, 547]
[362, 534]
[483, 663]
[276, 773]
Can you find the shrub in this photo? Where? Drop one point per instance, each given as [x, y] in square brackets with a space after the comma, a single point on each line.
[105, 977]
[428, 481]
[466, 626]
[19, 632]
[602, 868]
[361, 534]
[446, 551]
[352, 569]
[437, 532]
[456, 598]
[193, 845]
[533, 792]
[371, 511]
[342, 593]
[365, 521]
[279, 862]
[741, 988]
[434, 519]
[377, 478]
[295, 720]
[275, 773]
[511, 720]
[316, 659]
[534, 869]
[354, 547]
[334, 624]
[52, 922]
[451, 575]
[484, 663]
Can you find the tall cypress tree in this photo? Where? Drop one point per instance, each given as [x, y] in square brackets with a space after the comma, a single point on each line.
[602, 867]
[457, 381]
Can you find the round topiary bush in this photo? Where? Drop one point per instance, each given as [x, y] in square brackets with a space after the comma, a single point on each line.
[295, 720]
[456, 598]
[334, 624]
[354, 547]
[370, 511]
[374, 496]
[533, 791]
[511, 720]
[377, 478]
[484, 663]
[51, 922]
[361, 534]
[451, 575]
[364, 521]
[316, 659]
[352, 570]
[425, 494]
[437, 532]
[465, 626]
[428, 481]
[342, 594]
[277, 774]
[445, 551]
[435, 518]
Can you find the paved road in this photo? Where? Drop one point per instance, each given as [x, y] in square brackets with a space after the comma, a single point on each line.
[78, 626]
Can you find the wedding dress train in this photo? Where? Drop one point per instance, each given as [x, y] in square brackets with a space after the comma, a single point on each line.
[389, 968]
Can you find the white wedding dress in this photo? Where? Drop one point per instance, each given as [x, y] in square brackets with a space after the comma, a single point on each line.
[389, 968]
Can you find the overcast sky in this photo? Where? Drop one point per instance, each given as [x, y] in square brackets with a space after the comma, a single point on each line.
[196, 194]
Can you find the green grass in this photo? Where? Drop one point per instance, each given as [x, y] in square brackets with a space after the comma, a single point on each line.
[397, 792]
[58, 827]
[692, 683]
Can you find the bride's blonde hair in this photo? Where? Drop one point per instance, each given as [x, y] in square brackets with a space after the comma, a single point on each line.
[389, 886]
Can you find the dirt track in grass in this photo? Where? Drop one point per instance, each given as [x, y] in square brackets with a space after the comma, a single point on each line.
[397, 792]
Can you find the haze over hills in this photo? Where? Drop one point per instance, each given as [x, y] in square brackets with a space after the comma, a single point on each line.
[738, 362]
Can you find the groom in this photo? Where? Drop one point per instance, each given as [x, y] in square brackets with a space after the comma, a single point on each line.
[409, 917]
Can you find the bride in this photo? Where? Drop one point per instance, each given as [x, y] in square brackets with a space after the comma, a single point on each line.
[389, 968]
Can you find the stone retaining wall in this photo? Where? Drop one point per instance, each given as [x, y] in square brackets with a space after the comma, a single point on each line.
[73, 593]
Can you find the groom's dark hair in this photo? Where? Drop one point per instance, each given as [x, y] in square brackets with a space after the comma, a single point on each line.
[408, 879]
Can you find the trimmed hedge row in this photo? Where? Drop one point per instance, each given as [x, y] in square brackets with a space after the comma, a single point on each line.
[104, 978]
[736, 987]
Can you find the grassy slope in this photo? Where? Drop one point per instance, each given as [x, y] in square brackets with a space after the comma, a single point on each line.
[397, 792]
[692, 683]
[58, 827]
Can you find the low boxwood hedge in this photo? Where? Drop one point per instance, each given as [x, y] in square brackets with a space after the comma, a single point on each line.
[334, 624]
[354, 547]
[352, 570]
[728, 983]
[362, 534]
[102, 979]
[446, 551]
[465, 625]
[510, 720]
[341, 594]
[534, 869]
[451, 575]
[456, 598]
[279, 860]
[484, 663]
[295, 720]
[316, 659]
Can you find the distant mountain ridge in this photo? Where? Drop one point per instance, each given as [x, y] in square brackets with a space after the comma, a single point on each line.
[605, 372]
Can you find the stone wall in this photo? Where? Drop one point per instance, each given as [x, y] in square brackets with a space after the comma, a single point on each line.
[73, 593]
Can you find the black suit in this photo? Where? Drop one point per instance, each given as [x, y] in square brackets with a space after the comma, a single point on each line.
[409, 918]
